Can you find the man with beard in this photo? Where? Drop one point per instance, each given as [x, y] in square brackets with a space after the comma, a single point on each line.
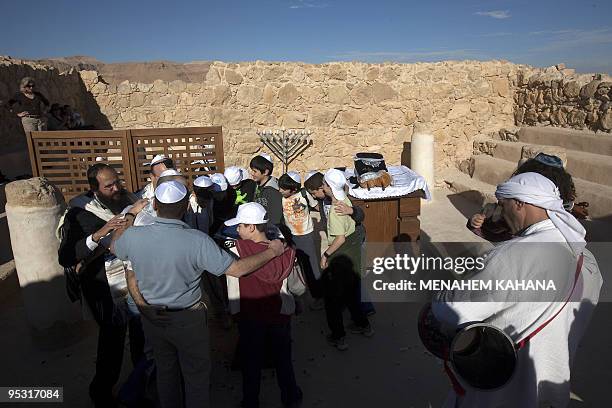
[88, 223]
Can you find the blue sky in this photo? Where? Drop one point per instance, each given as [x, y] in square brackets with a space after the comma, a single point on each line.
[541, 33]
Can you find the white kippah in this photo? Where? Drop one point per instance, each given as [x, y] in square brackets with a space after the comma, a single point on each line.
[310, 174]
[295, 176]
[170, 192]
[220, 182]
[203, 181]
[266, 156]
[170, 172]
[233, 175]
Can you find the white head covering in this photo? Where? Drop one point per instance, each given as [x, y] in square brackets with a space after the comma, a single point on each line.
[336, 181]
[220, 183]
[249, 213]
[233, 175]
[310, 174]
[535, 189]
[295, 176]
[157, 159]
[203, 181]
[170, 192]
[169, 172]
[266, 156]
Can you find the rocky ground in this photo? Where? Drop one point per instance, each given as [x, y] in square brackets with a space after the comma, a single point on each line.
[391, 369]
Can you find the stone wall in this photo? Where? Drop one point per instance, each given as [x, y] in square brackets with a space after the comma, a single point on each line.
[557, 96]
[63, 88]
[350, 107]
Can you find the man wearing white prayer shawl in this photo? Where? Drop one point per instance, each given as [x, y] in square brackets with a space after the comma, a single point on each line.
[534, 211]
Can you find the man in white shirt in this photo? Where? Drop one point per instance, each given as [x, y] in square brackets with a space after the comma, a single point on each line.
[549, 242]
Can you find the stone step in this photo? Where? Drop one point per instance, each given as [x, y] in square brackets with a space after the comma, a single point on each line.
[492, 170]
[584, 141]
[596, 168]
[510, 151]
[488, 171]
[474, 190]
[598, 196]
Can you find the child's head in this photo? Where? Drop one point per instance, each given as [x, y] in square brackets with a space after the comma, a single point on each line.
[314, 185]
[261, 168]
[251, 221]
[233, 176]
[288, 184]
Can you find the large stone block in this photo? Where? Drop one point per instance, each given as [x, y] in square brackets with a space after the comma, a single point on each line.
[124, 88]
[459, 110]
[160, 86]
[322, 117]
[382, 92]
[232, 77]
[294, 120]
[347, 119]
[361, 94]
[338, 94]
[288, 94]
[221, 94]
[501, 87]
[249, 95]
[336, 71]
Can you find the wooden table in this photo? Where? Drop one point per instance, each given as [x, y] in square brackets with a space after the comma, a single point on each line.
[392, 219]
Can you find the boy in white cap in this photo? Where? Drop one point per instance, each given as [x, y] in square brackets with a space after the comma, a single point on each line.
[243, 188]
[341, 264]
[296, 214]
[548, 245]
[267, 193]
[158, 165]
[264, 304]
[168, 258]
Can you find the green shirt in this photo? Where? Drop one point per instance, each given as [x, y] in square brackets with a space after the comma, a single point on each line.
[339, 224]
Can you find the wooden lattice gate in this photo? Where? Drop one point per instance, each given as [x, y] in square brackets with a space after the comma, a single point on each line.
[64, 156]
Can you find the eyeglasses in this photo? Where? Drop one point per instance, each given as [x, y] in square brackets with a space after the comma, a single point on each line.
[549, 160]
[29, 86]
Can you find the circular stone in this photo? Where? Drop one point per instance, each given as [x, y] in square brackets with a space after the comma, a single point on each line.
[34, 192]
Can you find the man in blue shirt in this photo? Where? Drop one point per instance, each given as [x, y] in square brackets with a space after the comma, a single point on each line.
[168, 258]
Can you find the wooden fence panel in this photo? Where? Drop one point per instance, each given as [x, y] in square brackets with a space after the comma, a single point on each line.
[64, 156]
[195, 151]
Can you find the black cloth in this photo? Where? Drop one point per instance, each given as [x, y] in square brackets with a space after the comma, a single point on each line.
[55, 123]
[341, 288]
[81, 224]
[21, 103]
[223, 208]
[96, 292]
[254, 339]
[248, 187]
[272, 200]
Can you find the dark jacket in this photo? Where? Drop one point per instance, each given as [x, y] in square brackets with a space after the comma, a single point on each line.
[271, 199]
[79, 224]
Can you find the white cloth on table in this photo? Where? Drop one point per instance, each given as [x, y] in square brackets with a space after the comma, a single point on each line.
[542, 375]
[405, 181]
